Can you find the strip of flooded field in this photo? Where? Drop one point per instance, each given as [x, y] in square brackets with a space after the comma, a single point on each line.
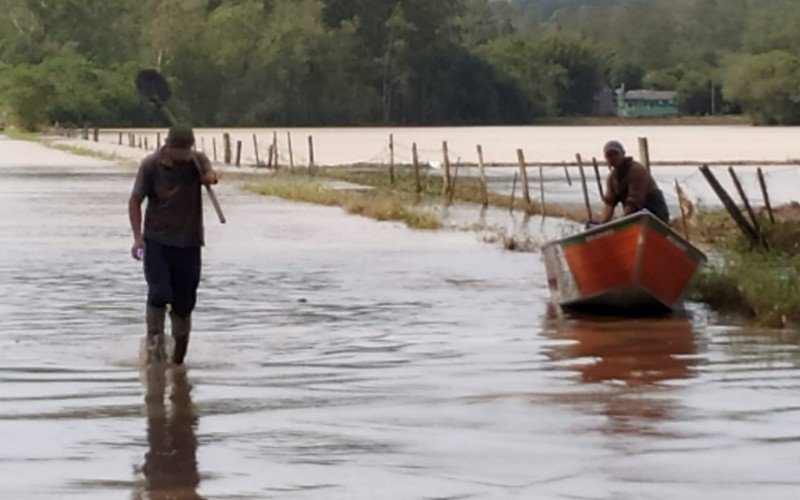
[336, 357]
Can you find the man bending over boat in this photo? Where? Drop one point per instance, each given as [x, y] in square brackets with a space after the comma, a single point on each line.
[631, 184]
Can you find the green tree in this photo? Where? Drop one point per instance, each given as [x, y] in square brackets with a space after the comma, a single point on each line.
[26, 98]
[767, 86]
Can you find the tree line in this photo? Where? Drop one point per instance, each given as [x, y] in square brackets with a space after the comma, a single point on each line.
[365, 62]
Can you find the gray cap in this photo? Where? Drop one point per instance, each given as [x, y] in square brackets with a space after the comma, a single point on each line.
[181, 137]
[613, 146]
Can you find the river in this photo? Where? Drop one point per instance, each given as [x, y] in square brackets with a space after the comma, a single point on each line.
[337, 357]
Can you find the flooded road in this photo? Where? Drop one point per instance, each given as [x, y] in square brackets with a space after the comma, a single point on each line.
[337, 357]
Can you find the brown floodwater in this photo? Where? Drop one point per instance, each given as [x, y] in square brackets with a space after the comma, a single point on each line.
[337, 357]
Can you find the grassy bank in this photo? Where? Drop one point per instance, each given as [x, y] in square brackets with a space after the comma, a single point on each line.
[764, 284]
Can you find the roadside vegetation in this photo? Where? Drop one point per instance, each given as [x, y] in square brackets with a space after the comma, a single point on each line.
[763, 283]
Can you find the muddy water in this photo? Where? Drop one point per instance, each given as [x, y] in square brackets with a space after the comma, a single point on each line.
[335, 357]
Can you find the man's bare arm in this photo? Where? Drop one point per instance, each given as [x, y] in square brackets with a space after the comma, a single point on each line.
[135, 217]
[608, 212]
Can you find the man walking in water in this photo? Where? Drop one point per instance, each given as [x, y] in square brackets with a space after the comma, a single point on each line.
[631, 184]
[172, 238]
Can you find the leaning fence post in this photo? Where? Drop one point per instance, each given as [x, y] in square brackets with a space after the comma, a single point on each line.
[255, 149]
[597, 176]
[566, 173]
[523, 173]
[765, 193]
[482, 172]
[745, 201]
[730, 206]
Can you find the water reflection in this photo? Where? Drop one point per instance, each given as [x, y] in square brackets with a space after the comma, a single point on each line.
[636, 352]
[632, 360]
[170, 465]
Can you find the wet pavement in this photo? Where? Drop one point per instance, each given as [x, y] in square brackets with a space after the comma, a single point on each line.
[337, 357]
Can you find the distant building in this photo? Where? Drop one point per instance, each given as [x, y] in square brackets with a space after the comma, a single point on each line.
[645, 103]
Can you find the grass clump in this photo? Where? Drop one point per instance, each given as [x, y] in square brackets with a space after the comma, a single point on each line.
[762, 283]
[367, 203]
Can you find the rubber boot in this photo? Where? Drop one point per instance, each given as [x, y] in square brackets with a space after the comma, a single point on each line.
[156, 351]
[181, 327]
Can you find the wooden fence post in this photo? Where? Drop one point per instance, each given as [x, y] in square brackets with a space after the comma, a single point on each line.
[226, 140]
[446, 177]
[311, 166]
[513, 193]
[270, 156]
[679, 192]
[482, 172]
[291, 155]
[765, 194]
[158, 141]
[275, 150]
[745, 201]
[584, 187]
[644, 152]
[238, 153]
[597, 176]
[214, 147]
[120, 139]
[255, 149]
[730, 206]
[523, 174]
[415, 159]
[566, 173]
[391, 158]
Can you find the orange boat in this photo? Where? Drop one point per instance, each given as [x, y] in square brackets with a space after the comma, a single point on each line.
[633, 265]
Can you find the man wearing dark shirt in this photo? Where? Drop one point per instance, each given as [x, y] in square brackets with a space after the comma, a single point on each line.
[173, 235]
[631, 184]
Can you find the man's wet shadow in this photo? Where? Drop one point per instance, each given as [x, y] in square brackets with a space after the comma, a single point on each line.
[170, 464]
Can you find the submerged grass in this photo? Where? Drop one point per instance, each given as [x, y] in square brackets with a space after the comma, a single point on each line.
[467, 190]
[368, 203]
[77, 150]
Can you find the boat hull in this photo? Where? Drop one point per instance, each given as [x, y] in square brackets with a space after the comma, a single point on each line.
[634, 265]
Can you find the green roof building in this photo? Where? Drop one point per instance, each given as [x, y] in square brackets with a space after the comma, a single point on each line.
[646, 103]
